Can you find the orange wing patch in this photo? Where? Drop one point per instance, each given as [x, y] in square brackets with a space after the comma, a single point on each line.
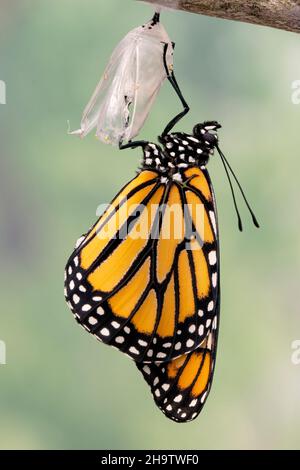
[190, 371]
[202, 379]
[139, 180]
[144, 319]
[171, 234]
[166, 325]
[199, 217]
[107, 231]
[123, 303]
[111, 271]
[203, 283]
[193, 370]
[198, 181]
[186, 295]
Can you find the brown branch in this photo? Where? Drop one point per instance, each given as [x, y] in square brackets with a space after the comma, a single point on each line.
[282, 14]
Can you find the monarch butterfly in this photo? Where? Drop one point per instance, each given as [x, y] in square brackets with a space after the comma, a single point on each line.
[131, 81]
[146, 277]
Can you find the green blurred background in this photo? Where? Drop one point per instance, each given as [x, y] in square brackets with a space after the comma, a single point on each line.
[61, 388]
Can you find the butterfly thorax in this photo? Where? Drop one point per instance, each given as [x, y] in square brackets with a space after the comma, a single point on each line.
[180, 151]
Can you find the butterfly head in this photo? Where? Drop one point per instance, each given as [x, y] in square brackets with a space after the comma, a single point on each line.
[206, 132]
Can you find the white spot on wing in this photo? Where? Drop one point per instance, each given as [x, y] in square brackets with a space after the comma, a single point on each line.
[104, 332]
[120, 340]
[178, 398]
[76, 299]
[212, 257]
[213, 221]
[133, 350]
[161, 355]
[100, 311]
[190, 343]
[86, 308]
[193, 403]
[78, 243]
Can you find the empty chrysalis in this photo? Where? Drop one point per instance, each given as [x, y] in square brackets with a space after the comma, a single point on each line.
[131, 81]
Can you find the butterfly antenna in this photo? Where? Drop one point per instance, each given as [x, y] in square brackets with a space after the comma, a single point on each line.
[227, 165]
[240, 225]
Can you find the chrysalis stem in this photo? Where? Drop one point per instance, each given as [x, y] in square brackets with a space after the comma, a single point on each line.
[156, 18]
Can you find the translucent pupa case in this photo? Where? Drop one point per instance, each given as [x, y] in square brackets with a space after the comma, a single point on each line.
[131, 81]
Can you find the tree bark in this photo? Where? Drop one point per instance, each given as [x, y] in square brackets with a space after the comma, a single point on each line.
[282, 14]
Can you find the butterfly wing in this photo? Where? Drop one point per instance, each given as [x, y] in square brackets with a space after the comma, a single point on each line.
[180, 387]
[136, 282]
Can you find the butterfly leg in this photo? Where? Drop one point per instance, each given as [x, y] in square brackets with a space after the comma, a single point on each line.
[133, 144]
[172, 79]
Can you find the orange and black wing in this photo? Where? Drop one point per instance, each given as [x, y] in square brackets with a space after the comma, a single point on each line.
[144, 279]
[180, 387]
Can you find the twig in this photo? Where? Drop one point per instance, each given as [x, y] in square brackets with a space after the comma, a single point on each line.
[282, 14]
